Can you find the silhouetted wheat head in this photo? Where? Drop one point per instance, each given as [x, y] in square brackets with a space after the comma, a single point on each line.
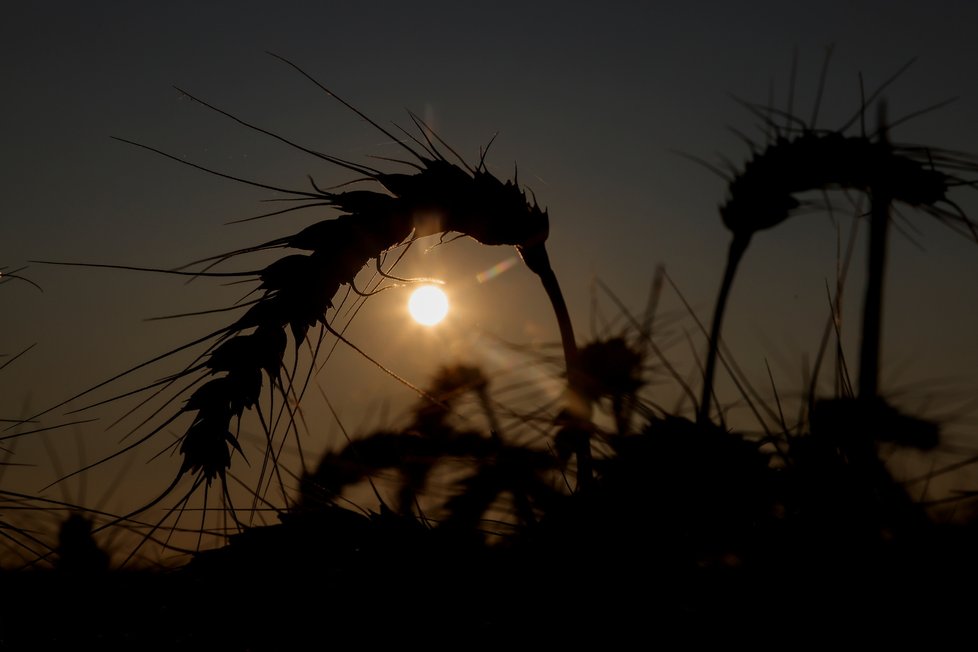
[801, 157]
[296, 292]
[485, 465]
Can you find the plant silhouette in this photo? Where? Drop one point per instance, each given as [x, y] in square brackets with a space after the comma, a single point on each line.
[603, 513]
[803, 158]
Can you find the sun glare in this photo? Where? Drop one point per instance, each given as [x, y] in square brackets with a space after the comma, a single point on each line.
[428, 305]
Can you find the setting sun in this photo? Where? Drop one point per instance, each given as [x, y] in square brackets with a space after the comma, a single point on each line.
[428, 305]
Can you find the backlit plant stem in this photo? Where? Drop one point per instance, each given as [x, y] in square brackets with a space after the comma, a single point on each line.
[869, 353]
[578, 408]
[737, 248]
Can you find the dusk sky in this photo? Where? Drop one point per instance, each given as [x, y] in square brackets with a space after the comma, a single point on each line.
[595, 104]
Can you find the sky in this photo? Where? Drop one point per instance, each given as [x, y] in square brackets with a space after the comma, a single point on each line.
[598, 107]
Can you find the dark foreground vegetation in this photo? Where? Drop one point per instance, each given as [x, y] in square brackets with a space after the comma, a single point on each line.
[687, 531]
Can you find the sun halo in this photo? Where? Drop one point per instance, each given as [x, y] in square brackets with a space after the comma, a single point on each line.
[428, 305]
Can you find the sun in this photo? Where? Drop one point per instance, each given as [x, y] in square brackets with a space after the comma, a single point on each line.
[428, 305]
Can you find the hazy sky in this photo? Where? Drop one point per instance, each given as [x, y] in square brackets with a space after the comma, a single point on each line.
[592, 101]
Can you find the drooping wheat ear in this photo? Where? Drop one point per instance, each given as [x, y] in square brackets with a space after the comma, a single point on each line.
[296, 291]
[763, 194]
